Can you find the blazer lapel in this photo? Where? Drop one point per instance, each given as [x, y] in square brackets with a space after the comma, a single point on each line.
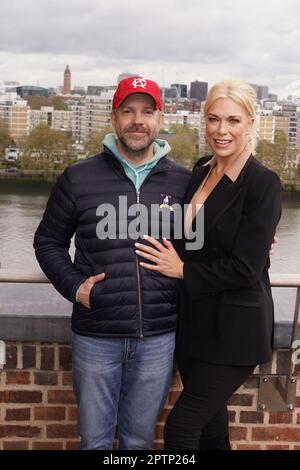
[197, 178]
[221, 198]
[224, 195]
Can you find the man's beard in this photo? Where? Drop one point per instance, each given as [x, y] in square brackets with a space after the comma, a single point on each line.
[135, 146]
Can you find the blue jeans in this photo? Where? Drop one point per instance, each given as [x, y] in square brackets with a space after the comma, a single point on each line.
[124, 381]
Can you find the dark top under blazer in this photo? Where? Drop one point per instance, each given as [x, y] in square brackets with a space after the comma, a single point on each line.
[227, 310]
[130, 301]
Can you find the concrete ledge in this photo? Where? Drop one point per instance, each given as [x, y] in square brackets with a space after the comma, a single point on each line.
[36, 312]
[57, 329]
[50, 328]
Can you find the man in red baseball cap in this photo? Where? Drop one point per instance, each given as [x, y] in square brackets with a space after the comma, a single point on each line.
[137, 118]
[124, 318]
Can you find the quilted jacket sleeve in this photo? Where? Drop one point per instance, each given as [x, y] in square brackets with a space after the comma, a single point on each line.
[53, 236]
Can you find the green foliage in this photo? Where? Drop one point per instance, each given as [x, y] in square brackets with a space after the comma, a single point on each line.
[94, 144]
[5, 139]
[178, 129]
[48, 150]
[36, 102]
[48, 141]
[58, 103]
[184, 145]
[273, 155]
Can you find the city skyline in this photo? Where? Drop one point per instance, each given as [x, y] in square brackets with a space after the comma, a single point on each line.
[198, 41]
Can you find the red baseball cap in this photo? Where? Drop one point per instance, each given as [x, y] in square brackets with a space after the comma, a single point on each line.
[131, 85]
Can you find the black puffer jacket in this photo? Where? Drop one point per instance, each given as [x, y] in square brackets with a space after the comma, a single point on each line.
[130, 301]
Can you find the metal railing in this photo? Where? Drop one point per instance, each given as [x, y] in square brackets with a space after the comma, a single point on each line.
[277, 279]
[276, 392]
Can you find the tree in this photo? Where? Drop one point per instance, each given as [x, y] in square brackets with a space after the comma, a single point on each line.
[184, 145]
[36, 102]
[5, 138]
[273, 155]
[94, 145]
[47, 149]
[58, 103]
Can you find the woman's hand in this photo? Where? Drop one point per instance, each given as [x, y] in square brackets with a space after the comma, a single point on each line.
[164, 256]
[273, 245]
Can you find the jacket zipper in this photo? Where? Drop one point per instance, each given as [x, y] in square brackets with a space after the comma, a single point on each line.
[138, 273]
[139, 287]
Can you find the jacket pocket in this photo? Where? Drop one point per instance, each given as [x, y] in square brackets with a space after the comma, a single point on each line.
[95, 295]
[243, 297]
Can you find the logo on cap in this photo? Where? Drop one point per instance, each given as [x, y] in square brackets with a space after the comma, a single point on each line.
[139, 82]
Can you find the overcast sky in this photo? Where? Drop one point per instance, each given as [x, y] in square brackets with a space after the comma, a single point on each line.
[166, 40]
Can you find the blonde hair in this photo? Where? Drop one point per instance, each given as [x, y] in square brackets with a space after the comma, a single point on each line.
[241, 93]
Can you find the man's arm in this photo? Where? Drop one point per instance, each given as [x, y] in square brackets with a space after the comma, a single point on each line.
[53, 236]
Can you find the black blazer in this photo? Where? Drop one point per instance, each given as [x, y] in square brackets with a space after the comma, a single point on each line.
[226, 307]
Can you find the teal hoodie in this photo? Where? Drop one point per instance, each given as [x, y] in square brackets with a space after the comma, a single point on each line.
[137, 174]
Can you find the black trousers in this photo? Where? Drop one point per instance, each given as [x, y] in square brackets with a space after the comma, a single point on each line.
[199, 419]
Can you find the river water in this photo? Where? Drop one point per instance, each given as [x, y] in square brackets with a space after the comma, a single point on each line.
[21, 207]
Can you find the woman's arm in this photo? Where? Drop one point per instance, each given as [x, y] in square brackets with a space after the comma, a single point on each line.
[251, 248]
[250, 251]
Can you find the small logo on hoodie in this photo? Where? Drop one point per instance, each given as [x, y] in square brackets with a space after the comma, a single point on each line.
[166, 201]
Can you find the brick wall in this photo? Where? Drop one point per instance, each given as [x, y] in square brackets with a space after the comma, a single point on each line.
[38, 409]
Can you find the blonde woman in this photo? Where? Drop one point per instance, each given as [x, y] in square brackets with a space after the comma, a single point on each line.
[226, 317]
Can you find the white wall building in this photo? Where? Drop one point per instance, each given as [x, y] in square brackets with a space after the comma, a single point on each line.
[181, 118]
[14, 113]
[91, 115]
[60, 120]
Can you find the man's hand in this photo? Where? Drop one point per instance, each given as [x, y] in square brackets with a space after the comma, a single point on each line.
[83, 295]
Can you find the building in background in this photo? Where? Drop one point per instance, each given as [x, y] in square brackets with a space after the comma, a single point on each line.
[262, 92]
[199, 90]
[30, 90]
[272, 97]
[181, 89]
[14, 114]
[168, 93]
[91, 115]
[67, 81]
[11, 86]
[56, 119]
[255, 88]
[266, 126]
[287, 119]
[79, 90]
[181, 118]
[96, 90]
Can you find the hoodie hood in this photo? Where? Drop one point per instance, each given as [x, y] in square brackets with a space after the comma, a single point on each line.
[137, 174]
